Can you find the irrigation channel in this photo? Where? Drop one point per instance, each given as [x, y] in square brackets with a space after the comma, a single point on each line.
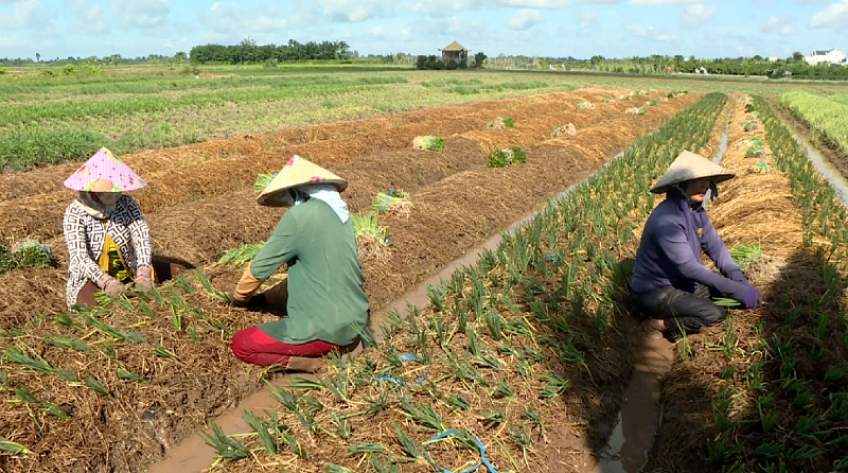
[629, 442]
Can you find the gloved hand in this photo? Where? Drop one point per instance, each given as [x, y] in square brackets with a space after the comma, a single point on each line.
[111, 286]
[144, 279]
[257, 300]
[752, 298]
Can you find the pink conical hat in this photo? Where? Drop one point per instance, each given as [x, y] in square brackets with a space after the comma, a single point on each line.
[104, 165]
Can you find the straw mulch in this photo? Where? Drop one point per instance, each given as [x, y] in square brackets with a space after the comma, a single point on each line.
[40, 216]
[133, 426]
[395, 129]
[752, 208]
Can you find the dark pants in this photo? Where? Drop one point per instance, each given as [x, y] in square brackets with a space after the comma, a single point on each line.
[692, 311]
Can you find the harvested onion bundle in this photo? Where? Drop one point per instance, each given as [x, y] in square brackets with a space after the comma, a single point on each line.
[506, 156]
[429, 143]
[394, 202]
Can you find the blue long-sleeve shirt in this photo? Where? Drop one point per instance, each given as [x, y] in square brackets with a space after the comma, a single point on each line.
[670, 252]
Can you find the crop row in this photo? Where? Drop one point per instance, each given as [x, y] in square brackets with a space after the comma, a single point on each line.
[214, 177]
[507, 348]
[168, 362]
[825, 115]
[768, 390]
[167, 122]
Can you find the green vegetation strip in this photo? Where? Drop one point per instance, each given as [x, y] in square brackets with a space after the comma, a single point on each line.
[505, 345]
[824, 114]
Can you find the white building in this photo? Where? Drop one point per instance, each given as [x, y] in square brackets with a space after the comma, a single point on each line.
[834, 56]
[773, 59]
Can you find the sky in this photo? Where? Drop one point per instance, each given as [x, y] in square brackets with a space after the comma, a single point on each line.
[559, 28]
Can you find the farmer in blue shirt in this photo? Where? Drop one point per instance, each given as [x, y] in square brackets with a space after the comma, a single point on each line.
[670, 285]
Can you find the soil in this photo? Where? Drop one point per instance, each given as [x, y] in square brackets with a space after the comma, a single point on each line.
[733, 354]
[459, 202]
[40, 216]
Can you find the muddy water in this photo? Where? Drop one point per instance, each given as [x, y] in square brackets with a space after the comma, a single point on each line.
[628, 446]
[825, 168]
[631, 440]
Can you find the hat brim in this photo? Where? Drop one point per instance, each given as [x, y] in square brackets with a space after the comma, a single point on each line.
[665, 187]
[273, 198]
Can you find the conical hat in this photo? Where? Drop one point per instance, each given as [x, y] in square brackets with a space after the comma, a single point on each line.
[104, 165]
[298, 172]
[690, 166]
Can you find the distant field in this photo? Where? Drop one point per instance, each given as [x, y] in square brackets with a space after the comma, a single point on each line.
[47, 119]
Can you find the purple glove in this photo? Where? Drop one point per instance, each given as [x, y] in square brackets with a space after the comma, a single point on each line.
[144, 279]
[752, 298]
[111, 286]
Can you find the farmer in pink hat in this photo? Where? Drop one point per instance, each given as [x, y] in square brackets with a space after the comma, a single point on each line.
[108, 240]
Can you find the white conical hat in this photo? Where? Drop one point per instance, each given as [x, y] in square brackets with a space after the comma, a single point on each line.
[298, 172]
[690, 166]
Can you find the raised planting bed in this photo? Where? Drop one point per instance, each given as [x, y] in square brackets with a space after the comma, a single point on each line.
[132, 378]
[525, 352]
[768, 389]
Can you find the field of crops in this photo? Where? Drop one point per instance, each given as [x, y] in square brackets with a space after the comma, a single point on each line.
[826, 114]
[114, 387]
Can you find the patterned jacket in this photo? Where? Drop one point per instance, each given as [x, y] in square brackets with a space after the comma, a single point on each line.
[86, 235]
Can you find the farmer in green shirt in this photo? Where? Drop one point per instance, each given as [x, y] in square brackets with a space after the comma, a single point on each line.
[323, 291]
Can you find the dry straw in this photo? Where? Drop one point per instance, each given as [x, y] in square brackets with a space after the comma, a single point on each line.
[566, 130]
[371, 239]
[393, 202]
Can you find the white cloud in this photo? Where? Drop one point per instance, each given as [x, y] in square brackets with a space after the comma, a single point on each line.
[9, 42]
[587, 20]
[230, 20]
[536, 4]
[783, 26]
[667, 37]
[650, 33]
[835, 17]
[698, 12]
[525, 19]
[664, 2]
[357, 10]
[445, 8]
[89, 19]
[141, 13]
[29, 14]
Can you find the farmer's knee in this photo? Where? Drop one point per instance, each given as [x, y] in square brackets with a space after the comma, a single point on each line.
[713, 314]
[242, 344]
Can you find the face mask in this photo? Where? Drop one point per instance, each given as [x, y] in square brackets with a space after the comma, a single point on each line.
[108, 199]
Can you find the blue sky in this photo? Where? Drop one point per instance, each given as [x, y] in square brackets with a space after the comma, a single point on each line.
[580, 28]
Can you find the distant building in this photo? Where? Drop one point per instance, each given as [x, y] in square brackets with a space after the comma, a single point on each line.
[773, 59]
[834, 56]
[453, 51]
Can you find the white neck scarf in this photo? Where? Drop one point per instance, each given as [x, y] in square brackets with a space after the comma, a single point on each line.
[326, 193]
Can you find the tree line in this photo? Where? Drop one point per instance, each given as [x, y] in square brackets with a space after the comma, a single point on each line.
[249, 52]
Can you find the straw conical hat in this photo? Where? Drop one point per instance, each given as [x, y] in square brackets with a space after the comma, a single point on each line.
[690, 166]
[101, 167]
[298, 172]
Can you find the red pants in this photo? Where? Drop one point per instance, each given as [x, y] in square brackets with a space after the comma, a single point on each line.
[255, 346]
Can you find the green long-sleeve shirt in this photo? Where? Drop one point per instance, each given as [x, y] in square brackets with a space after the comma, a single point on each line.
[325, 295]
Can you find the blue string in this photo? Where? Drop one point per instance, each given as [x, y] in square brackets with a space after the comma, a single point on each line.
[483, 460]
[387, 378]
[386, 202]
